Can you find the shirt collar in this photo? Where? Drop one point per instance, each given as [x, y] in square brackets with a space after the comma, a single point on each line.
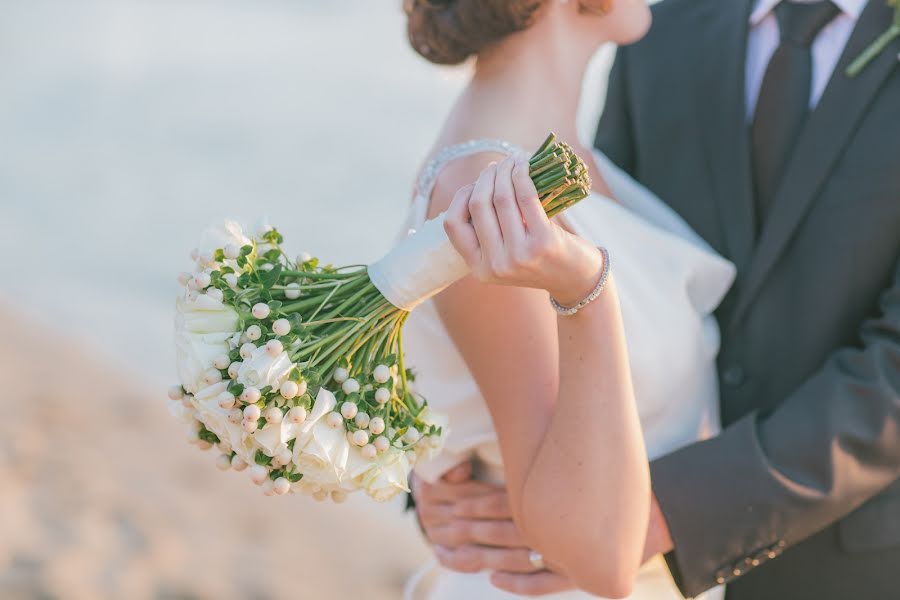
[851, 8]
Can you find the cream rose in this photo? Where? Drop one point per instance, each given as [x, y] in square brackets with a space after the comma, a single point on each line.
[262, 369]
[386, 477]
[215, 418]
[203, 327]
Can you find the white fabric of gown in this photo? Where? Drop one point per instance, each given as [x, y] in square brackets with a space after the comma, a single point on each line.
[669, 281]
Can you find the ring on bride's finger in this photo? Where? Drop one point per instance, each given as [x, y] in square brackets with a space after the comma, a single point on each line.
[537, 560]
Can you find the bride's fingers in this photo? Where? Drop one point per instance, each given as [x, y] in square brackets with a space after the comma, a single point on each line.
[484, 217]
[505, 205]
[458, 226]
[526, 194]
[472, 559]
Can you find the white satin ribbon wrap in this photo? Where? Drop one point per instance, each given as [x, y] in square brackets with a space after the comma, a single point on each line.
[419, 267]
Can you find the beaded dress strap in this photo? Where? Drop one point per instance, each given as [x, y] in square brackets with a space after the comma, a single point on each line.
[429, 175]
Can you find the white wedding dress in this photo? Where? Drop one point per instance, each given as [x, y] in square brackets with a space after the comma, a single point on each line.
[669, 282]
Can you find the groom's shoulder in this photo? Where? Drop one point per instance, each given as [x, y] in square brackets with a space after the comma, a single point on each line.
[676, 22]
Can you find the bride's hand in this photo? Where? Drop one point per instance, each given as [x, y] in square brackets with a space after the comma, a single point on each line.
[505, 237]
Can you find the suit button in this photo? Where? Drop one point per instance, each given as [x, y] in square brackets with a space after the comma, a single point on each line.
[733, 375]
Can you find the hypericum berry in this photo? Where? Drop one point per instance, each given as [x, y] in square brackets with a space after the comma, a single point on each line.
[215, 293]
[320, 496]
[382, 395]
[212, 377]
[338, 496]
[254, 333]
[302, 387]
[281, 327]
[303, 257]
[221, 362]
[411, 436]
[233, 369]
[225, 400]
[376, 426]
[368, 451]
[360, 437]
[251, 395]
[176, 393]
[292, 291]
[281, 486]
[252, 412]
[238, 463]
[202, 280]
[184, 277]
[362, 420]
[349, 410]
[382, 443]
[341, 374]
[297, 415]
[249, 425]
[260, 310]
[381, 373]
[289, 389]
[284, 457]
[350, 386]
[334, 420]
[231, 279]
[204, 445]
[274, 348]
[247, 350]
[231, 251]
[235, 416]
[223, 462]
[274, 415]
[259, 474]
[268, 487]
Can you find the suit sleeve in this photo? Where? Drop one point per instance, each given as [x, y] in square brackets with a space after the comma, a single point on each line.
[769, 481]
[614, 135]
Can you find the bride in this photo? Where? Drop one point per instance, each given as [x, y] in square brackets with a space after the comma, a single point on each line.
[579, 348]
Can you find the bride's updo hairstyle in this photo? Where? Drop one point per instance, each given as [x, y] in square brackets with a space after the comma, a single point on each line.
[447, 32]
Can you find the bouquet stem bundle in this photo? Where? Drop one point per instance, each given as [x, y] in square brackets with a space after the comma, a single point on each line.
[305, 352]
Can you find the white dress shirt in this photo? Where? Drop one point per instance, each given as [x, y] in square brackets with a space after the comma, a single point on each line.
[827, 48]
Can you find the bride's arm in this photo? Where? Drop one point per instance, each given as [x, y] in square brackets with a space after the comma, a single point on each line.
[558, 389]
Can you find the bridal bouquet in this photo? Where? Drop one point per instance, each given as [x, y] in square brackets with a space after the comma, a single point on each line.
[295, 372]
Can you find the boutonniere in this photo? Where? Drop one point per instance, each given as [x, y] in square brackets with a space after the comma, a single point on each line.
[878, 46]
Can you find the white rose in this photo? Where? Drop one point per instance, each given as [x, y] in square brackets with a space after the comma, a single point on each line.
[215, 418]
[320, 452]
[263, 369]
[230, 232]
[202, 329]
[386, 477]
[273, 435]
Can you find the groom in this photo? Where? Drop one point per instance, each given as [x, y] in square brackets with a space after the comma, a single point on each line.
[739, 113]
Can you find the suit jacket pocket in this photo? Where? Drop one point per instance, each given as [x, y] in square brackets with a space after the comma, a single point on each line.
[873, 526]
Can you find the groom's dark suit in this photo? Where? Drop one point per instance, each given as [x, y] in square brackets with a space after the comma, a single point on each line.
[798, 497]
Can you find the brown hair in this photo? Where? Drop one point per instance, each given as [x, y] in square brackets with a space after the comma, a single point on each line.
[447, 32]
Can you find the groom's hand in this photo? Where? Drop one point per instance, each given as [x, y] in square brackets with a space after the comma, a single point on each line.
[471, 527]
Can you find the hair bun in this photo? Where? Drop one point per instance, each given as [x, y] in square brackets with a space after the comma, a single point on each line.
[447, 32]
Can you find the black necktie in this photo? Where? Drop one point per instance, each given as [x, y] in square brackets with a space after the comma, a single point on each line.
[784, 96]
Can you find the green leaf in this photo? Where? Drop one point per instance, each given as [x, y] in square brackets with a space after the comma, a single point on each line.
[294, 477]
[246, 250]
[219, 255]
[262, 459]
[235, 388]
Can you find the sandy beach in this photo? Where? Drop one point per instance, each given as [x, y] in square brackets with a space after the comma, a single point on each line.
[101, 497]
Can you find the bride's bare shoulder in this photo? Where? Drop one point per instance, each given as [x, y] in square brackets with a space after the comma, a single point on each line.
[455, 174]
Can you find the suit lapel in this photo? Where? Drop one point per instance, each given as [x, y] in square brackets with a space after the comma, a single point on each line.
[828, 130]
[720, 100]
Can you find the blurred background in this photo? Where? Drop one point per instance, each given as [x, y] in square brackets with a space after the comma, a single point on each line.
[126, 128]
